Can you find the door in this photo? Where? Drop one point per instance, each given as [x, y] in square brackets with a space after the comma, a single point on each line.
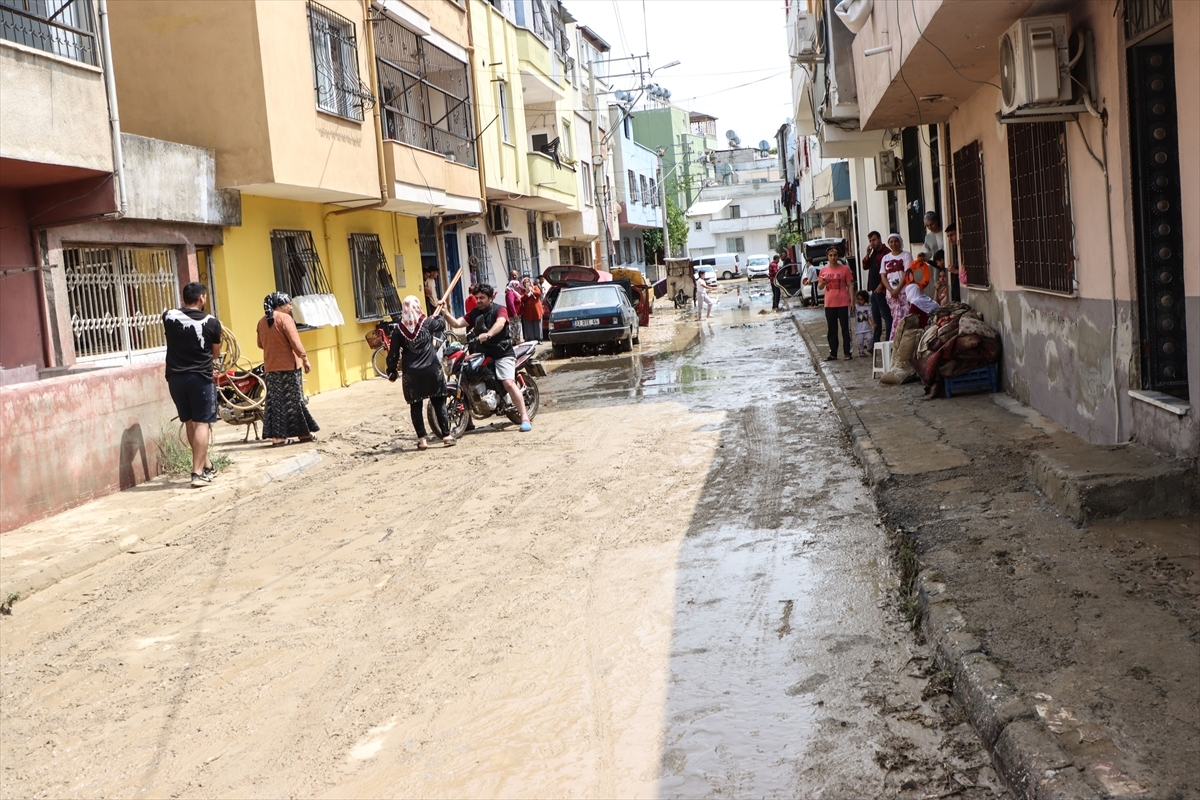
[1158, 220]
[205, 271]
[453, 265]
[913, 187]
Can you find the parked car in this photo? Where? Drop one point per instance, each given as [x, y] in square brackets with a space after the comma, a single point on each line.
[560, 277]
[758, 267]
[593, 315]
[726, 265]
[791, 279]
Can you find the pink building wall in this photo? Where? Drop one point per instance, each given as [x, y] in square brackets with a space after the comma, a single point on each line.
[67, 440]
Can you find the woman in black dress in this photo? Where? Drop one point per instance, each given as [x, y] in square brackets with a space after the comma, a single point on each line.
[414, 352]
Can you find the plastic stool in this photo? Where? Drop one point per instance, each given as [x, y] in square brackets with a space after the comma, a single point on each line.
[881, 359]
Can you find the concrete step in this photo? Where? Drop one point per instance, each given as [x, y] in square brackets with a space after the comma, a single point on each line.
[1088, 483]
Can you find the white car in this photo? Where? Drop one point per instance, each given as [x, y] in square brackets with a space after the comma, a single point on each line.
[758, 267]
[725, 265]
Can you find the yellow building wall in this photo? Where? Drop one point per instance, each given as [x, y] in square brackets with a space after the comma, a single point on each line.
[446, 17]
[245, 274]
[506, 167]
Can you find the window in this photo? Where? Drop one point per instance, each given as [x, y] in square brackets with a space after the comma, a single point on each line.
[653, 193]
[565, 147]
[298, 269]
[117, 297]
[735, 244]
[645, 189]
[424, 93]
[627, 126]
[535, 252]
[1041, 205]
[628, 251]
[641, 253]
[478, 258]
[735, 212]
[633, 187]
[585, 173]
[699, 225]
[335, 63]
[972, 213]
[505, 123]
[375, 294]
[63, 28]
[772, 241]
[778, 206]
[514, 255]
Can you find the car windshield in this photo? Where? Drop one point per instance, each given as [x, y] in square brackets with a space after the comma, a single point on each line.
[587, 296]
[759, 262]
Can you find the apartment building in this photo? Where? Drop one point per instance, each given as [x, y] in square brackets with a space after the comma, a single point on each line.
[638, 192]
[740, 210]
[685, 140]
[1064, 174]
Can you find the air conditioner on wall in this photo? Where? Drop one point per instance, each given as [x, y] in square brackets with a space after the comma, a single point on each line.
[552, 229]
[1035, 63]
[888, 172]
[498, 219]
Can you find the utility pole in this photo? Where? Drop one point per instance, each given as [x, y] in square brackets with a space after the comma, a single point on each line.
[662, 202]
[687, 175]
[597, 167]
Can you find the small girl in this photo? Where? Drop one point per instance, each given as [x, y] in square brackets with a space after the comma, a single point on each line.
[862, 323]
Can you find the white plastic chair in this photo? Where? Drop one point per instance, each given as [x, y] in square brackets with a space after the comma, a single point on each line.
[881, 359]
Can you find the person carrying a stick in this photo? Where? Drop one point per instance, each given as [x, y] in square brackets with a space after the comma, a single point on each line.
[414, 353]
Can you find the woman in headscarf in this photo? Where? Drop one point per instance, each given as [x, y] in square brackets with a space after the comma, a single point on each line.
[919, 303]
[414, 353]
[285, 418]
[512, 302]
[893, 268]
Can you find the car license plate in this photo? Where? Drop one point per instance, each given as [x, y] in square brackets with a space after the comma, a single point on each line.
[585, 323]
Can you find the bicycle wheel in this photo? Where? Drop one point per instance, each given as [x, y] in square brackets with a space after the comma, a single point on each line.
[379, 361]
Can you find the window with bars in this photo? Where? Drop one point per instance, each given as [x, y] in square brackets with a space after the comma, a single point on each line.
[478, 258]
[62, 27]
[653, 193]
[298, 269]
[1041, 205]
[117, 297]
[969, 204]
[735, 244]
[335, 63]
[645, 189]
[514, 255]
[633, 186]
[375, 294]
[425, 94]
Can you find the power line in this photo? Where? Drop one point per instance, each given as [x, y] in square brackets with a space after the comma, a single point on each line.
[739, 86]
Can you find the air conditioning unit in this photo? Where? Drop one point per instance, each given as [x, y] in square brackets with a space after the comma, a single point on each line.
[498, 219]
[1035, 63]
[803, 38]
[552, 229]
[888, 172]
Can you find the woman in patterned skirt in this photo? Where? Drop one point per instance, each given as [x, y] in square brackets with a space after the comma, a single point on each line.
[285, 418]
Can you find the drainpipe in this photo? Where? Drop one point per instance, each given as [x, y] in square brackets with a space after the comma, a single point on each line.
[114, 118]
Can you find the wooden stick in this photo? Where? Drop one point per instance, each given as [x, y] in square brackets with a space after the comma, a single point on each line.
[457, 277]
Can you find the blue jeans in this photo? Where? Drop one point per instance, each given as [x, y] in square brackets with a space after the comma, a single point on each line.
[881, 315]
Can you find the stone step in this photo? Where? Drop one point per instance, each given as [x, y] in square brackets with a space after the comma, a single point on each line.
[1088, 483]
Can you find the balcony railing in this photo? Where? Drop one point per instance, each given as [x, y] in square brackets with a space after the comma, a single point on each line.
[62, 27]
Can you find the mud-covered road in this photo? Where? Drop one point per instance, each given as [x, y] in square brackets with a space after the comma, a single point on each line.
[676, 586]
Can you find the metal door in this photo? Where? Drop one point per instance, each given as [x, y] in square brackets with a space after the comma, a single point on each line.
[1158, 220]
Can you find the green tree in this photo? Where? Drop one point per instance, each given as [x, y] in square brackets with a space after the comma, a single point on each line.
[785, 235]
[677, 226]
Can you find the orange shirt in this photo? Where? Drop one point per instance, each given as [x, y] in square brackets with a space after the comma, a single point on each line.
[280, 343]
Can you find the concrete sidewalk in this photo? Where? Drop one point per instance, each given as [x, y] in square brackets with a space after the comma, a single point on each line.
[46, 551]
[1076, 650]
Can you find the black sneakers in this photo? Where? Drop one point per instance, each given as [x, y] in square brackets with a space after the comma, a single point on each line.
[203, 478]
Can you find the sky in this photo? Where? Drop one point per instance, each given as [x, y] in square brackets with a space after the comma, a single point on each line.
[721, 44]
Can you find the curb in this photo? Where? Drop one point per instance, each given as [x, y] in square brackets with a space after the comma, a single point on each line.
[1027, 758]
[94, 554]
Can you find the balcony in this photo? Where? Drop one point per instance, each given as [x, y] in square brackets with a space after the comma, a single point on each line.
[968, 34]
[757, 222]
[64, 29]
[831, 188]
[541, 69]
[419, 180]
[552, 187]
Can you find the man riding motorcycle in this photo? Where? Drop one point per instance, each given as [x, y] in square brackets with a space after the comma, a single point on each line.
[489, 321]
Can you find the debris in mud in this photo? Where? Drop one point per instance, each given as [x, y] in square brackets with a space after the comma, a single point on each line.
[941, 683]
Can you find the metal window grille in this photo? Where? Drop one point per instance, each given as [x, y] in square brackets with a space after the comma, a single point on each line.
[117, 297]
[375, 294]
[633, 186]
[298, 269]
[62, 27]
[514, 255]
[645, 189]
[425, 93]
[969, 201]
[1041, 204]
[478, 258]
[1145, 16]
[653, 194]
[335, 63]
[735, 244]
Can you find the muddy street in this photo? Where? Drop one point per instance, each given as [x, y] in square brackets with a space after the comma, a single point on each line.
[676, 586]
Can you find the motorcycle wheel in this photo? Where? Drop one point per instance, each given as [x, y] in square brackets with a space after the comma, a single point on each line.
[379, 361]
[456, 414]
[532, 399]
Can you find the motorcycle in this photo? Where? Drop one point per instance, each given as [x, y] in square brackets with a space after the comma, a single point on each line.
[474, 392]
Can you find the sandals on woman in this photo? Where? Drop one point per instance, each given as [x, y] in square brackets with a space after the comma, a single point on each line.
[422, 444]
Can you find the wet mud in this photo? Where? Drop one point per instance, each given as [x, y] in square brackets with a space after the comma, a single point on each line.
[676, 586]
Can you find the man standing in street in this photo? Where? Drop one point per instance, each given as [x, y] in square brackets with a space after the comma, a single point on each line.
[952, 265]
[837, 281]
[772, 271]
[881, 315]
[193, 343]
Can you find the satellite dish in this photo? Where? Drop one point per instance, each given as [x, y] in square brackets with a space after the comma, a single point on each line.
[666, 94]
[730, 135]
[764, 145]
[726, 169]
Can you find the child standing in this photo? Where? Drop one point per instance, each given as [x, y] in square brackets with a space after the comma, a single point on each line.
[862, 323]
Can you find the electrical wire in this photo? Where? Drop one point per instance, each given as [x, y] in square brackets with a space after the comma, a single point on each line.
[935, 47]
[739, 86]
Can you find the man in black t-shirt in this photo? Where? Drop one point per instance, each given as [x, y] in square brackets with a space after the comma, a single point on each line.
[881, 315]
[489, 320]
[193, 342]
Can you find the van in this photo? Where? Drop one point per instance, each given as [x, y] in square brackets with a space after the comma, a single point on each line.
[726, 266]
